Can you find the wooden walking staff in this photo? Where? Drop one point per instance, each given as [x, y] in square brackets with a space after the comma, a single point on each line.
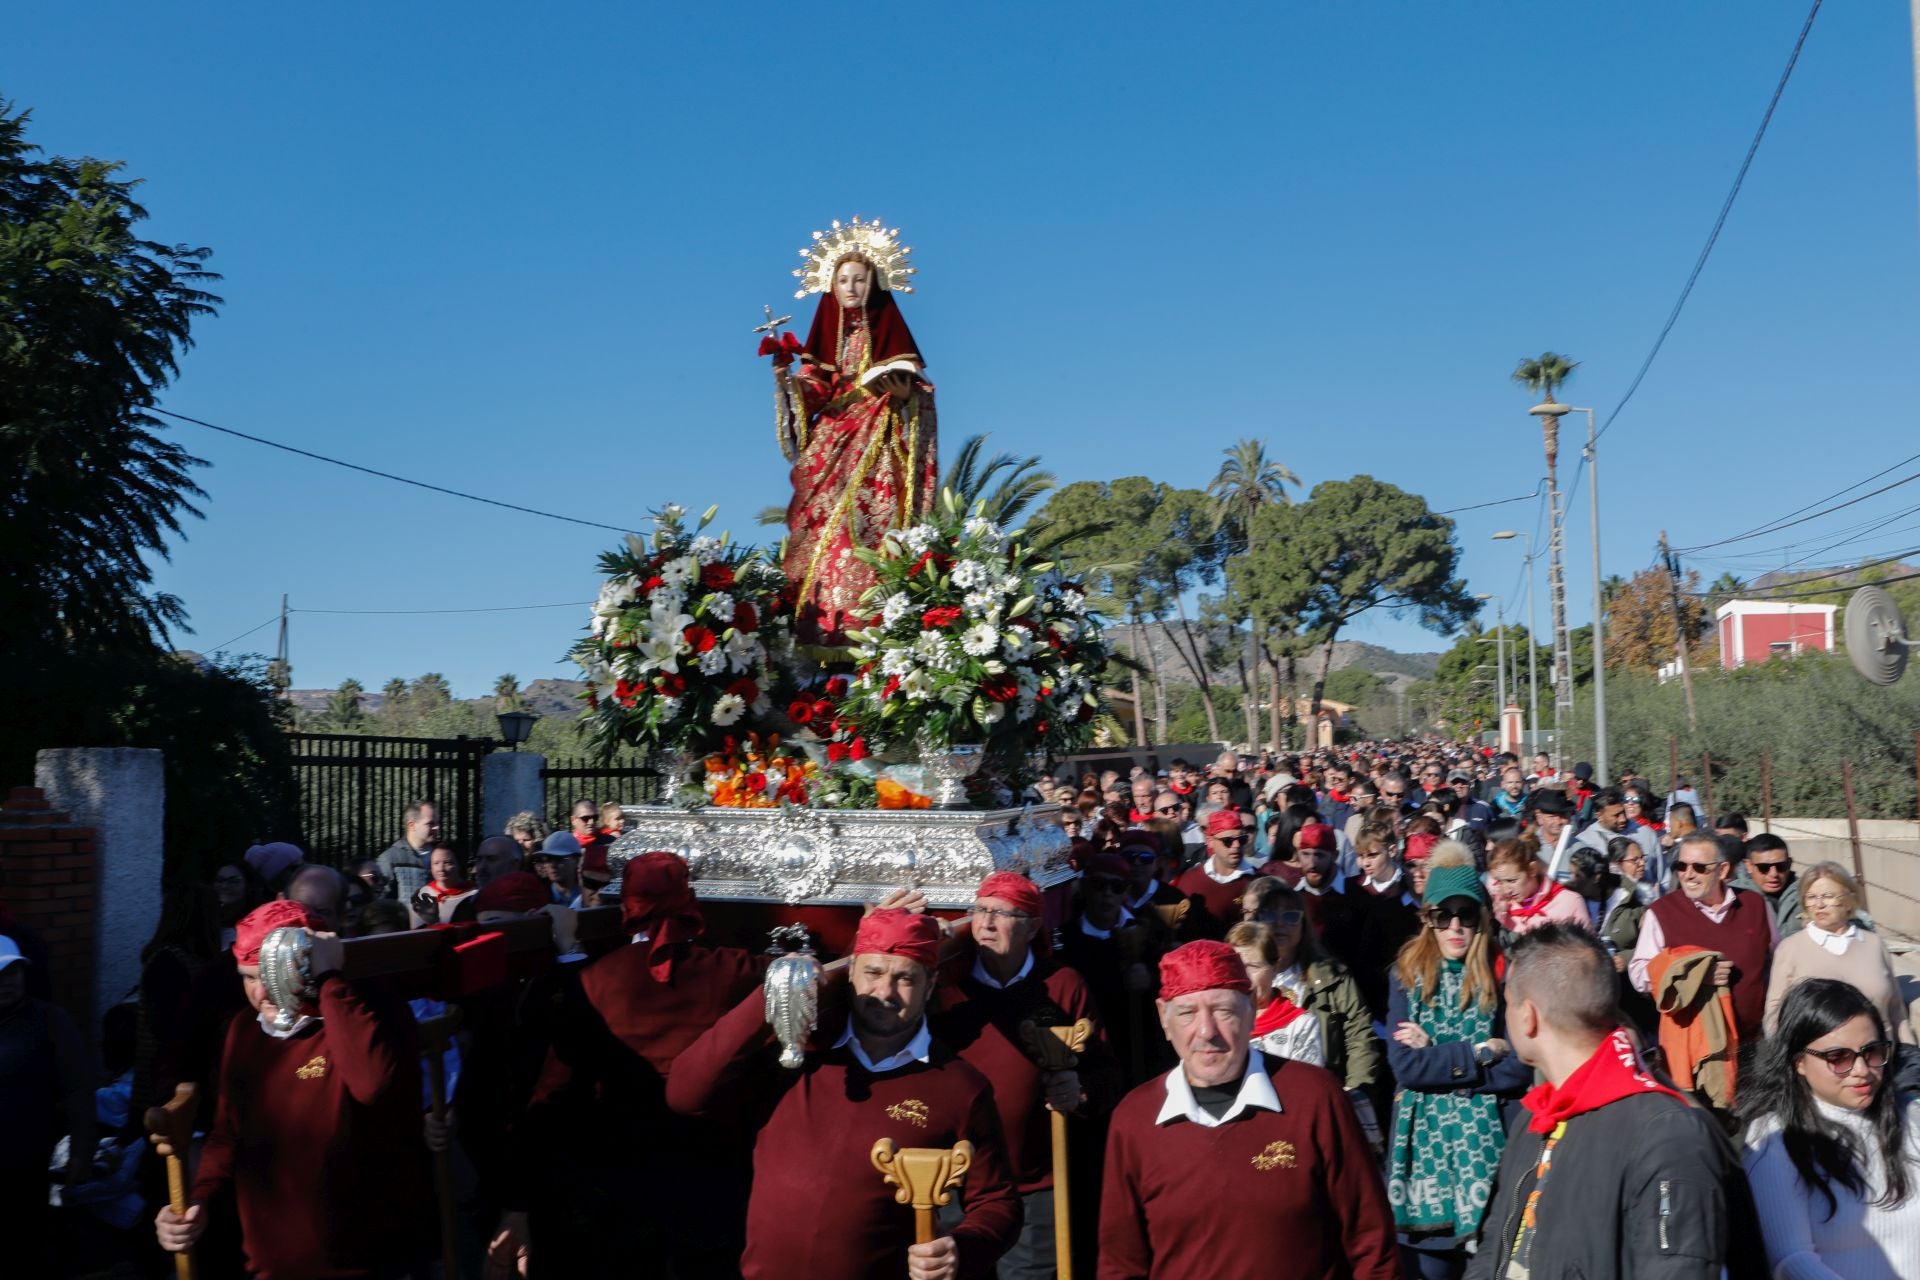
[435, 1035]
[170, 1129]
[923, 1177]
[1059, 1049]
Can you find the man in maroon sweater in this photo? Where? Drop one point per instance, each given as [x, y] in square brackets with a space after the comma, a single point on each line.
[599, 1112]
[318, 1129]
[818, 1208]
[1214, 887]
[980, 1017]
[1710, 913]
[1305, 1199]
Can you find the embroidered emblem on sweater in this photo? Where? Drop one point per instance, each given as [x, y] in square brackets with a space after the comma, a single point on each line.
[1276, 1155]
[315, 1069]
[912, 1111]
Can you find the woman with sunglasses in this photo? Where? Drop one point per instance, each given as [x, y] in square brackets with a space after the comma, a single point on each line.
[1834, 945]
[1453, 1064]
[1833, 1155]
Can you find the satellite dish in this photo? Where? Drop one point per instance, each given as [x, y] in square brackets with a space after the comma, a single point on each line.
[1876, 635]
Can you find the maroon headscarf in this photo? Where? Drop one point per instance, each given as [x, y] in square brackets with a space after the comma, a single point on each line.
[656, 894]
[892, 340]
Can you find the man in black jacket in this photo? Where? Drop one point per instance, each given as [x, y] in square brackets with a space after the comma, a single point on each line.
[1609, 1174]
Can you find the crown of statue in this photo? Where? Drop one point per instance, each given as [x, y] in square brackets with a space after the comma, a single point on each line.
[880, 246]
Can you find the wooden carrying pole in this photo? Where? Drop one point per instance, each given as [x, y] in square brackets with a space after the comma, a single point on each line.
[1853, 830]
[435, 1035]
[923, 1177]
[1766, 791]
[1059, 1049]
[170, 1129]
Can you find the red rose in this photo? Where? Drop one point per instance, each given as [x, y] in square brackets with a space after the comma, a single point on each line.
[800, 711]
[837, 687]
[836, 752]
[893, 684]
[745, 617]
[822, 709]
[700, 638]
[672, 683]
[626, 692]
[716, 577]
[756, 782]
[653, 584]
[743, 689]
[941, 616]
[1000, 688]
[857, 749]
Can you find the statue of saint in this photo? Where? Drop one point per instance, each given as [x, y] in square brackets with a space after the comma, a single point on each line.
[856, 420]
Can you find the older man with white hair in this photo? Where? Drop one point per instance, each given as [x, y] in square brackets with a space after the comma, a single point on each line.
[1306, 1200]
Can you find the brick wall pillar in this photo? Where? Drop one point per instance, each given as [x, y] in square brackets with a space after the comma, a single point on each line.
[48, 877]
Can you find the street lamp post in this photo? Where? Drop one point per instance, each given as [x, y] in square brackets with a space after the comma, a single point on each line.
[1600, 774]
[1533, 643]
[1550, 412]
[1500, 660]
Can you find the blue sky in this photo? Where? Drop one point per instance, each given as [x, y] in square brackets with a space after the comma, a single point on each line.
[517, 251]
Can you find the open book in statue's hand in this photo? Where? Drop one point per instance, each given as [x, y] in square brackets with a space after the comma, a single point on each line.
[910, 368]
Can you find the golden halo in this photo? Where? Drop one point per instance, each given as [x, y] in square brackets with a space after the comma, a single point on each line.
[869, 240]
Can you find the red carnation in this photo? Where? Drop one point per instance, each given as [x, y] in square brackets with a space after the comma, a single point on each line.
[626, 692]
[822, 709]
[672, 683]
[836, 752]
[743, 689]
[893, 684]
[800, 711]
[653, 584]
[756, 782]
[1000, 688]
[716, 577]
[745, 617]
[857, 749]
[700, 638]
[941, 616]
[837, 687]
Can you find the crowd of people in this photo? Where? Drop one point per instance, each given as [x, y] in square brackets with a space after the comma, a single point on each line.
[1397, 1010]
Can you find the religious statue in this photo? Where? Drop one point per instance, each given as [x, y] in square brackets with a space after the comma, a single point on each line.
[856, 420]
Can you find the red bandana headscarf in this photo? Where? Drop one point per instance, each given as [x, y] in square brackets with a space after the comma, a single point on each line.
[656, 894]
[263, 920]
[1202, 966]
[1612, 1073]
[1013, 888]
[893, 932]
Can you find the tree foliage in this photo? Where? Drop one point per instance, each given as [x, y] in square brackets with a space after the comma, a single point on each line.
[1544, 374]
[1640, 631]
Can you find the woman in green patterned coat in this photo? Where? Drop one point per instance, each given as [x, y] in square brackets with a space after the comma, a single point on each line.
[1452, 1064]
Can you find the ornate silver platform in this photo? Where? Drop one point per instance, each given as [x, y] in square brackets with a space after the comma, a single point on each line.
[841, 856]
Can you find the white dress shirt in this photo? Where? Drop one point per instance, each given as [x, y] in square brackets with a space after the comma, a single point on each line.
[918, 1049]
[1256, 1090]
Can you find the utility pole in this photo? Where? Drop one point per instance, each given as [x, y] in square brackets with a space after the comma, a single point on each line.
[281, 673]
[1679, 630]
[1592, 455]
[1562, 673]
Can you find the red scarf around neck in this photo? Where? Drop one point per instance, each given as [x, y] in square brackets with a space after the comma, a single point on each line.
[1612, 1073]
[1540, 901]
[1282, 1012]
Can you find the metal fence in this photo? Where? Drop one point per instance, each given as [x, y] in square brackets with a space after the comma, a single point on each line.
[570, 781]
[353, 789]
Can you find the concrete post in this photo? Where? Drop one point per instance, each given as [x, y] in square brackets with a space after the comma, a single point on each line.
[121, 793]
[510, 781]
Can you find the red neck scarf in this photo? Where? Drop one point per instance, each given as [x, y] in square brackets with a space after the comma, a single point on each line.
[1612, 1073]
[1335, 796]
[1520, 911]
[1277, 1015]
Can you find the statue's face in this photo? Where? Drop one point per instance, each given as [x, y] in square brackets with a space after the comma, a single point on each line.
[852, 282]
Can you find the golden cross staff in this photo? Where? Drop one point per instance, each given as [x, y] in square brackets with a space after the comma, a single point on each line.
[170, 1129]
[1059, 1049]
[923, 1177]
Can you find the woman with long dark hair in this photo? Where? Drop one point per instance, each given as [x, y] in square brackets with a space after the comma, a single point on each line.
[1833, 1154]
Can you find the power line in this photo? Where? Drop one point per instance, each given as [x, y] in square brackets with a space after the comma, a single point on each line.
[1769, 593]
[1498, 502]
[503, 608]
[388, 475]
[1726, 208]
[1788, 524]
[244, 634]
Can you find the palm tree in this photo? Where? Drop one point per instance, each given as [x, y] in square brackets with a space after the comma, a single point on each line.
[771, 515]
[344, 705]
[1545, 375]
[1247, 481]
[1722, 589]
[506, 693]
[1610, 586]
[1021, 482]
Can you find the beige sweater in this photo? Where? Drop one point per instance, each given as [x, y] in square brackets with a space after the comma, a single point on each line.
[1865, 966]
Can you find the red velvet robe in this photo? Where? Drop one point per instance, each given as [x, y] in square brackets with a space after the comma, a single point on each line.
[982, 1025]
[1293, 1193]
[1216, 906]
[320, 1138]
[818, 1207]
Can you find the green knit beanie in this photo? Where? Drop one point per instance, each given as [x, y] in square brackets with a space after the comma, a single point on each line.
[1455, 881]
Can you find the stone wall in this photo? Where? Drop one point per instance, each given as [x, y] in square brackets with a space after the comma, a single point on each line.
[47, 877]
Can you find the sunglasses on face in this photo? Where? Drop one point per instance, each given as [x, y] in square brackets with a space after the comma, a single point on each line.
[1286, 919]
[1770, 868]
[1697, 868]
[1232, 842]
[1441, 917]
[1840, 1061]
[1167, 808]
[1106, 886]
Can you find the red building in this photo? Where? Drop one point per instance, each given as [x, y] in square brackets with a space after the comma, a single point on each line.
[1756, 630]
